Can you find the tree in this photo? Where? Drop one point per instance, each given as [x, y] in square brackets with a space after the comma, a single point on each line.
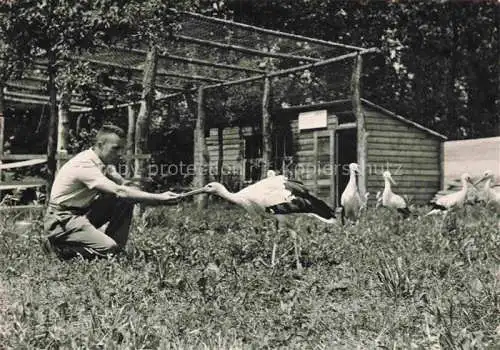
[439, 61]
[14, 48]
[59, 31]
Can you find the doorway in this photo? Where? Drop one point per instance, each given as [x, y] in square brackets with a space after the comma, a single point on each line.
[346, 152]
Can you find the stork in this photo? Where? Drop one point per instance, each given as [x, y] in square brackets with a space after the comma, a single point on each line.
[350, 200]
[392, 200]
[277, 196]
[491, 195]
[453, 200]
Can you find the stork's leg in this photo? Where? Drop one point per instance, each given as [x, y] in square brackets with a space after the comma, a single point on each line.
[443, 222]
[275, 244]
[273, 256]
[297, 249]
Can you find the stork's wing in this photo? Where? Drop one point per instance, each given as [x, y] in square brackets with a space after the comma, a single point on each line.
[280, 195]
[398, 201]
[449, 199]
[301, 201]
[267, 192]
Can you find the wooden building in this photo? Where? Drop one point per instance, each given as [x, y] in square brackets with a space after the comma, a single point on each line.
[316, 143]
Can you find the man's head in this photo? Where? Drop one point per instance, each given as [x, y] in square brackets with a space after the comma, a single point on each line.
[109, 143]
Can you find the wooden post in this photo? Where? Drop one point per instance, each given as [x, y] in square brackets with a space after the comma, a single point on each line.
[360, 122]
[266, 128]
[220, 146]
[2, 132]
[142, 123]
[441, 165]
[62, 127]
[333, 165]
[52, 130]
[132, 113]
[315, 162]
[200, 151]
[2, 125]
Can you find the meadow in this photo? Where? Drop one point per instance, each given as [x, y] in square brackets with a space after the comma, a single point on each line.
[201, 279]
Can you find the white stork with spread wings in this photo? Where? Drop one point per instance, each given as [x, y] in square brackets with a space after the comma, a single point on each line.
[278, 196]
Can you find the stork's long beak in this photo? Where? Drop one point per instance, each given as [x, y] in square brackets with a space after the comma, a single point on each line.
[478, 181]
[193, 192]
[474, 184]
[392, 180]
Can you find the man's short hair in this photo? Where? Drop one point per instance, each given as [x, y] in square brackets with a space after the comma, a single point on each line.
[107, 129]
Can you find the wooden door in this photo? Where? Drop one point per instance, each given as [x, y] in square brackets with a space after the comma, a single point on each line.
[324, 178]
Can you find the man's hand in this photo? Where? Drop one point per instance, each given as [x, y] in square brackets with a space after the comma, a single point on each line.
[170, 197]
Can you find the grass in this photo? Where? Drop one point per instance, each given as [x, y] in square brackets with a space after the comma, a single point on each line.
[198, 279]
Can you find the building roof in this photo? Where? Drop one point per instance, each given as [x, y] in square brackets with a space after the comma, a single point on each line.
[404, 120]
[366, 103]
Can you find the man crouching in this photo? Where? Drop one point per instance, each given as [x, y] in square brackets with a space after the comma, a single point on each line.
[87, 193]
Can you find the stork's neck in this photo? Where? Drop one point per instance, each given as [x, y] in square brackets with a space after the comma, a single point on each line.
[352, 180]
[465, 185]
[387, 186]
[487, 183]
[229, 196]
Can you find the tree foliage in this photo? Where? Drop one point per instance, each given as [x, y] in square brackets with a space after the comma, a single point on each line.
[439, 61]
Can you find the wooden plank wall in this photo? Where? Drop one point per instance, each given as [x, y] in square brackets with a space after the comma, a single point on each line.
[234, 151]
[412, 156]
[312, 150]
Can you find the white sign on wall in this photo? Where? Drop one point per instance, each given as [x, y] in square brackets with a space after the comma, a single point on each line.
[313, 120]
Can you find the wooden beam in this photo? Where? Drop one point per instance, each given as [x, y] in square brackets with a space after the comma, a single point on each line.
[143, 118]
[22, 184]
[2, 133]
[292, 70]
[25, 87]
[269, 31]
[346, 126]
[123, 105]
[321, 63]
[333, 183]
[315, 162]
[23, 163]
[63, 125]
[442, 166]
[357, 109]
[244, 49]
[320, 105]
[220, 152]
[22, 156]
[193, 61]
[132, 113]
[35, 78]
[24, 207]
[52, 127]
[160, 72]
[266, 128]
[41, 98]
[115, 78]
[158, 86]
[43, 103]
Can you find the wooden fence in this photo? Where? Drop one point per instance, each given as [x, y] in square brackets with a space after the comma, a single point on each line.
[27, 160]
